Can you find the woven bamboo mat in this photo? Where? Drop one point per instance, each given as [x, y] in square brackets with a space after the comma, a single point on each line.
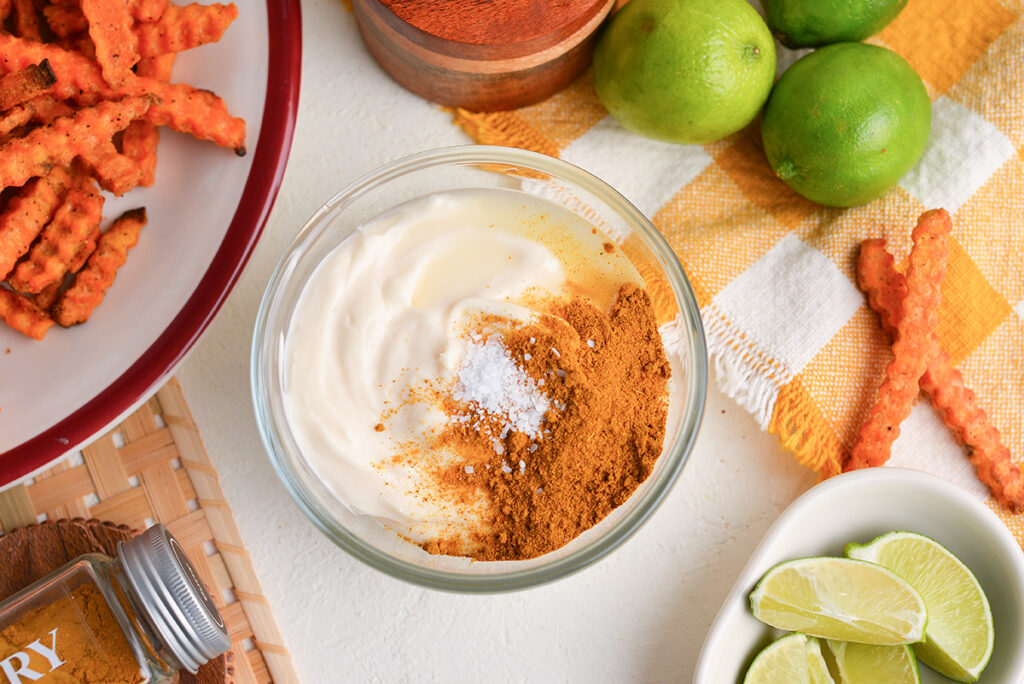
[153, 467]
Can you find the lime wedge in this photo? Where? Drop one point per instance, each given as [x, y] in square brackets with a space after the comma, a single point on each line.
[866, 664]
[959, 637]
[839, 598]
[793, 659]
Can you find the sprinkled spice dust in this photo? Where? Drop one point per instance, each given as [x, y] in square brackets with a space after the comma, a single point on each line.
[604, 379]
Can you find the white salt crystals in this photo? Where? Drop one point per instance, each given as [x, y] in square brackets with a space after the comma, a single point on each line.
[493, 384]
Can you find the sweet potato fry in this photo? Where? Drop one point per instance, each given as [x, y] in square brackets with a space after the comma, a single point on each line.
[26, 214]
[79, 43]
[943, 384]
[46, 109]
[915, 333]
[158, 68]
[147, 10]
[77, 303]
[199, 113]
[48, 295]
[21, 86]
[26, 20]
[139, 144]
[65, 20]
[18, 116]
[5, 10]
[59, 243]
[183, 28]
[116, 172]
[59, 142]
[24, 315]
[110, 27]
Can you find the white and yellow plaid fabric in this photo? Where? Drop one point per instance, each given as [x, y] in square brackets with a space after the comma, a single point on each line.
[789, 333]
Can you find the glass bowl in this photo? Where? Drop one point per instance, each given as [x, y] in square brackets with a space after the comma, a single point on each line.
[448, 169]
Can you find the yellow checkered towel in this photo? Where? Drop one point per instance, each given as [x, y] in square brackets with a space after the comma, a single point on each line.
[789, 334]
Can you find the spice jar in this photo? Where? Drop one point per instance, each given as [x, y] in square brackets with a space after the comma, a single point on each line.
[139, 618]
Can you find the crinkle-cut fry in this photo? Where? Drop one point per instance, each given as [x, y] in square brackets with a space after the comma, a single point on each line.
[46, 109]
[17, 116]
[914, 341]
[77, 303]
[58, 143]
[943, 384]
[5, 10]
[158, 68]
[199, 113]
[79, 43]
[65, 20]
[27, 213]
[147, 10]
[24, 315]
[117, 173]
[139, 143]
[48, 295]
[21, 86]
[110, 27]
[26, 20]
[59, 243]
[184, 28]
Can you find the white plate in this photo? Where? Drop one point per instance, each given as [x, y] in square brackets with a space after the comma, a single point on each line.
[857, 507]
[205, 212]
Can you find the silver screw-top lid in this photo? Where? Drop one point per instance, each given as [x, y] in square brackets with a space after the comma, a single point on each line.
[170, 591]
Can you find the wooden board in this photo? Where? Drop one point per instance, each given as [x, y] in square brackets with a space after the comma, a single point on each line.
[153, 467]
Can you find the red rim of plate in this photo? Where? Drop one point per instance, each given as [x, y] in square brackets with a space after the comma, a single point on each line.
[155, 364]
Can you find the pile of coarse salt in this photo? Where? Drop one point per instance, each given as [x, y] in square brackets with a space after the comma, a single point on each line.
[493, 384]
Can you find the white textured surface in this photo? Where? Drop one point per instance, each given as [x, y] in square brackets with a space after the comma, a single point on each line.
[639, 615]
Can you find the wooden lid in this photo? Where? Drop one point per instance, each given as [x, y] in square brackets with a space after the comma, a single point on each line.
[489, 29]
[30, 553]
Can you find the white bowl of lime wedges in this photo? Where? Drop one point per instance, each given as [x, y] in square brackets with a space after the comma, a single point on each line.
[856, 508]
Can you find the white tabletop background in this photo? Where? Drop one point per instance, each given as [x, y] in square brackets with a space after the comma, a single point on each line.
[639, 615]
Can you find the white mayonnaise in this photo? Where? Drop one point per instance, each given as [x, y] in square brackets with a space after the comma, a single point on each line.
[386, 311]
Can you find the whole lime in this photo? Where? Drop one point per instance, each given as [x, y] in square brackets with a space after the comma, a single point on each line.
[845, 123]
[810, 23]
[686, 71]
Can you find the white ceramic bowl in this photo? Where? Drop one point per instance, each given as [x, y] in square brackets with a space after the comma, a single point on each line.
[857, 507]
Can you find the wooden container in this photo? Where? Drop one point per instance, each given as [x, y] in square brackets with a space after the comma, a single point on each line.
[484, 55]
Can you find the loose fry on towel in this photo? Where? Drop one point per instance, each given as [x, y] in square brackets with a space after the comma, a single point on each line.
[77, 303]
[59, 142]
[24, 315]
[110, 28]
[943, 384]
[18, 116]
[65, 20]
[27, 213]
[21, 86]
[199, 113]
[183, 28]
[914, 340]
[59, 243]
[26, 20]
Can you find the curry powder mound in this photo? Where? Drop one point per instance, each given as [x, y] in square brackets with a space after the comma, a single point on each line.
[89, 640]
[606, 376]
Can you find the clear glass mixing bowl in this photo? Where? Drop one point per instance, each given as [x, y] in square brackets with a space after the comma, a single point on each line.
[473, 167]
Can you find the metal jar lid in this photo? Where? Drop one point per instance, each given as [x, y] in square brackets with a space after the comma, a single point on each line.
[175, 599]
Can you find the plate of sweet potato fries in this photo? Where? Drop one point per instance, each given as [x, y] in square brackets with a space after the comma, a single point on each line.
[142, 143]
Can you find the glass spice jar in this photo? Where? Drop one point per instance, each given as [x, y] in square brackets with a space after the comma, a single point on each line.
[138, 618]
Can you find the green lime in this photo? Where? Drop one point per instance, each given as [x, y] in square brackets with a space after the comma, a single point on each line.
[793, 658]
[845, 123]
[839, 598]
[865, 664]
[685, 71]
[959, 637]
[810, 23]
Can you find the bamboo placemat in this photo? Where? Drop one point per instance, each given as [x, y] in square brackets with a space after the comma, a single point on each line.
[153, 467]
